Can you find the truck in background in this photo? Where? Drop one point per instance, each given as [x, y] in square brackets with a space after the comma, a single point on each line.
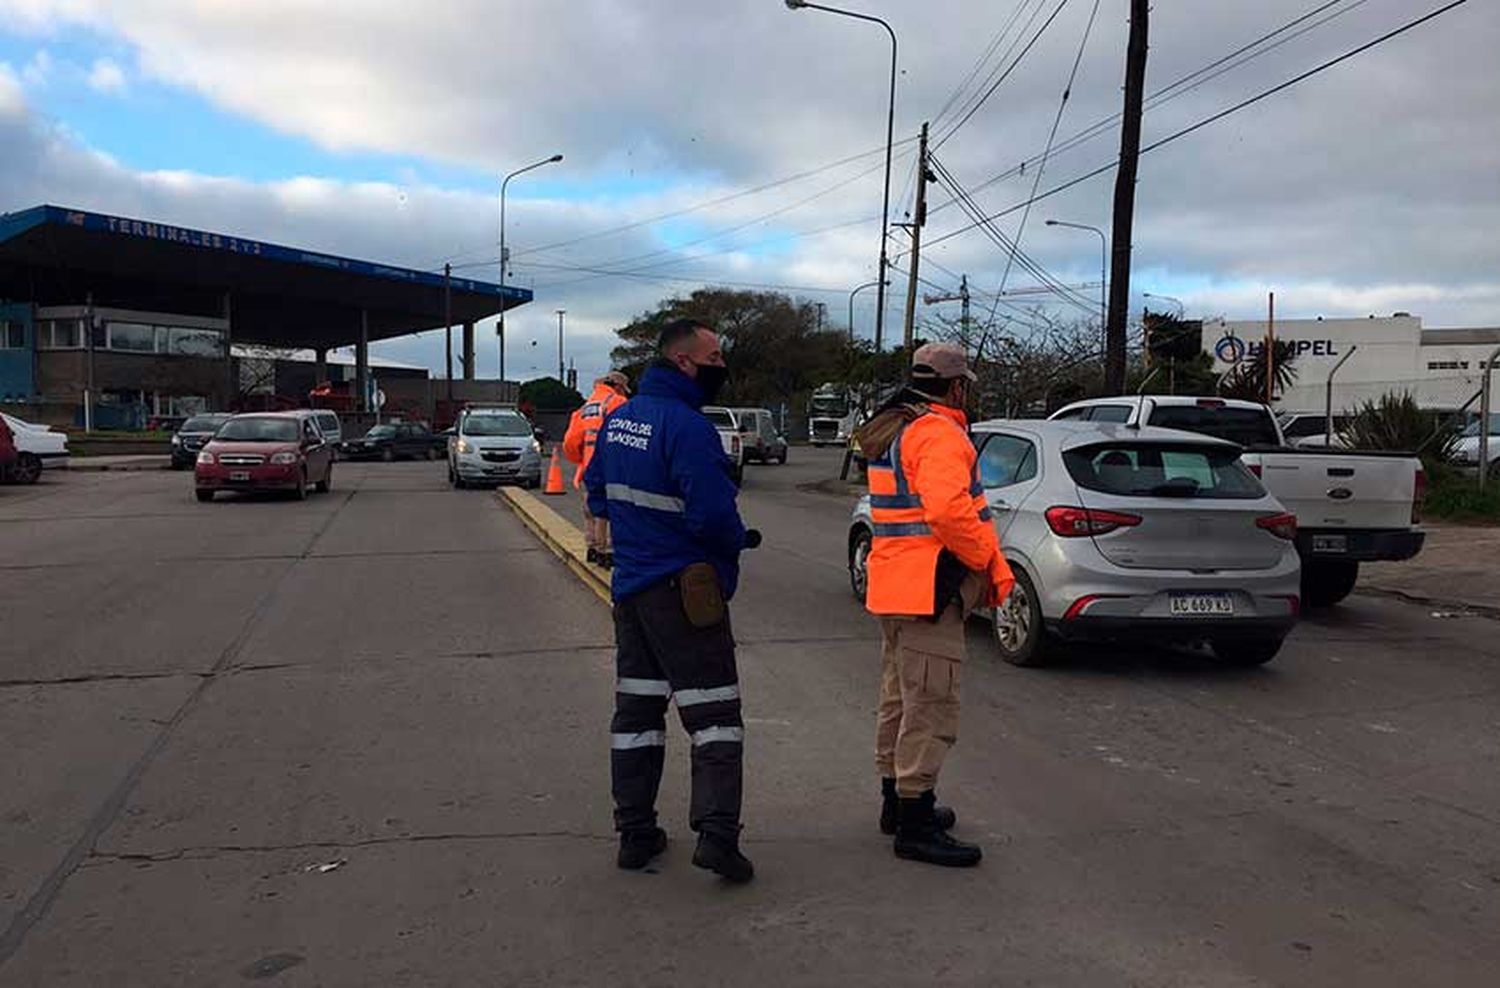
[832, 415]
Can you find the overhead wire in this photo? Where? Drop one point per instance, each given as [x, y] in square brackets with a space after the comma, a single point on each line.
[983, 60]
[1212, 118]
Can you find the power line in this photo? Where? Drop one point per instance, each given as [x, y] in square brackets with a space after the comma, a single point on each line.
[984, 58]
[1005, 75]
[1182, 86]
[1214, 118]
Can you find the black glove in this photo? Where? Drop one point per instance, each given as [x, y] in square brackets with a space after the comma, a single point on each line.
[752, 538]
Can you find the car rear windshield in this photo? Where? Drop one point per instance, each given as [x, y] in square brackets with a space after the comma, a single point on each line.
[203, 423]
[1159, 470]
[496, 425]
[261, 430]
[721, 420]
[1246, 426]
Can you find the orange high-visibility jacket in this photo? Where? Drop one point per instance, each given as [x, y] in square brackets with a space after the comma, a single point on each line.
[584, 426]
[925, 497]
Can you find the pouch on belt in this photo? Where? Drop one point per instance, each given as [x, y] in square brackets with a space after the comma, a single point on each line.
[702, 596]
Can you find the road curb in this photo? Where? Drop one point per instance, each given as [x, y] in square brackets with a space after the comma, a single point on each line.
[84, 466]
[559, 535]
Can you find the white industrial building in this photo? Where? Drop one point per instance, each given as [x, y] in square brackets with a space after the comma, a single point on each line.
[1441, 368]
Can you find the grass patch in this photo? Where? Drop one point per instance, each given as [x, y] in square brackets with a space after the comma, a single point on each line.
[1459, 499]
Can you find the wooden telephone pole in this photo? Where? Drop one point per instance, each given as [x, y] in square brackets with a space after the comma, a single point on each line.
[918, 220]
[1124, 216]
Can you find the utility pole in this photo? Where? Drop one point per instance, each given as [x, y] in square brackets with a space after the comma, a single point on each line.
[562, 374]
[821, 307]
[1124, 216]
[448, 323]
[1270, 345]
[917, 222]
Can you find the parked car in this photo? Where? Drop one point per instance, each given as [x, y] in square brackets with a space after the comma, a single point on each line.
[728, 425]
[761, 440]
[193, 435]
[265, 451]
[1351, 507]
[1466, 450]
[1311, 429]
[38, 448]
[493, 445]
[331, 427]
[395, 441]
[1117, 533]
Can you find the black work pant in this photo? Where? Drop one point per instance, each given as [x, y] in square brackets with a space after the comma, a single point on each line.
[660, 656]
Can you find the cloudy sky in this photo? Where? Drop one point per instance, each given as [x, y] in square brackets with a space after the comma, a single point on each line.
[739, 142]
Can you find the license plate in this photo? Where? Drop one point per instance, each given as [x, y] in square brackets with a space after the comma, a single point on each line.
[1330, 543]
[1202, 605]
[239, 476]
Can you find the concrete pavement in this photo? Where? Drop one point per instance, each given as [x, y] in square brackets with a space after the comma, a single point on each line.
[208, 705]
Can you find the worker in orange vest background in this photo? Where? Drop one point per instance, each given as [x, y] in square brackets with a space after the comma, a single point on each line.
[934, 559]
[610, 392]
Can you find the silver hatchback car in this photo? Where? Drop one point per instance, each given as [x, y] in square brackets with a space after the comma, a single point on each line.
[1122, 533]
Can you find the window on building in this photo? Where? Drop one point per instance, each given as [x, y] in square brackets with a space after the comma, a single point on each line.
[1448, 364]
[196, 342]
[132, 337]
[12, 335]
[59, 334]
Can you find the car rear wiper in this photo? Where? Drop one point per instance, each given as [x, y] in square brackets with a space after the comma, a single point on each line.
[1177, 487]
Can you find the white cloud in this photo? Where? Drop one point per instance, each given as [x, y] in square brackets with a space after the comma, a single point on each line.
[38, 69]
[106, 76]
[12, 100]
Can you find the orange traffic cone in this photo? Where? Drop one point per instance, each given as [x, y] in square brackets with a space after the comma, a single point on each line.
[554, 476]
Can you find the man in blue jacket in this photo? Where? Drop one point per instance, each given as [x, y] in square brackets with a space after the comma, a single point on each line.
[660, 476]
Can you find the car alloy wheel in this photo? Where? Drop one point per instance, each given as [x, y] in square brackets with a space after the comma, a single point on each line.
[28, 469]
[387, 455]
[859, 565]
[1019, 633]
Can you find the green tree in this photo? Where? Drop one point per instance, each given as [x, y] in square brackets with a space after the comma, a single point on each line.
[550, 395]
[1395, 422]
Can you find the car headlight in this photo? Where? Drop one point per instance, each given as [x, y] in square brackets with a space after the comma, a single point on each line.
[536, 447]
[464, 446]
[206, 457]
[176, 440]
[284, 458]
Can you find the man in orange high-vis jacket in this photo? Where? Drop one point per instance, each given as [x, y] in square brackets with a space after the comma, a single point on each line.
[934, 559]
[610, 392]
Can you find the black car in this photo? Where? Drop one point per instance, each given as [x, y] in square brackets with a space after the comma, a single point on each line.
[396, 441]
[192, 435]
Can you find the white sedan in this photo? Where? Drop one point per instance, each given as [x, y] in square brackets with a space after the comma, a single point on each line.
[39, 447]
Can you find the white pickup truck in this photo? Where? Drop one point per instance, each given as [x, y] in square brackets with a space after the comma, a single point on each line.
[39, 447]
[728, 425]
[1351, 506]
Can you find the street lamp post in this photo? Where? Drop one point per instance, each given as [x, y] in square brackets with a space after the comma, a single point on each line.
[505, 255]
[890, 124]
[1103, 271]
[562, 374]
[868, 284]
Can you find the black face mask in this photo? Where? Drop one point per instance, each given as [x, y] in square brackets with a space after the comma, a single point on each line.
[711, 378]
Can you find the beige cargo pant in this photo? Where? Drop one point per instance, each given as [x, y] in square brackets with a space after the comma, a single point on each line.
[919, 686]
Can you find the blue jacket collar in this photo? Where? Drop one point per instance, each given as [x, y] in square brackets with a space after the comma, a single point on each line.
[662, 380]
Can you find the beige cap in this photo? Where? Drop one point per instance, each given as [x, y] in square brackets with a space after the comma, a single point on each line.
[618, 381]
[941, 360]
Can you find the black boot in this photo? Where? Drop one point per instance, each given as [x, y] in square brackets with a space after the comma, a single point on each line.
[890, 810]
[607, 560]
[724, 858]
[918, 837]
[592, 555]
[638, 847]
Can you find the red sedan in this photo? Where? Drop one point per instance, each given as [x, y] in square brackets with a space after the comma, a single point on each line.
[270, 451]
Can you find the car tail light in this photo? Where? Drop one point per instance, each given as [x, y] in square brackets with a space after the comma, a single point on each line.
[1283, 526]
[1293, 603]
[1419, 496]
[1254, 468]
[1073, 523]
[1210, 403]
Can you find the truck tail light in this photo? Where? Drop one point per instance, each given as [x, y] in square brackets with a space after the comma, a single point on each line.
[1072, 523]
[1283, 526]
[1418, 496]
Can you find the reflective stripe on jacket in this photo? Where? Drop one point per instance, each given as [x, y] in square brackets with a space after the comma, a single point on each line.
[925, 497]
[584, 428]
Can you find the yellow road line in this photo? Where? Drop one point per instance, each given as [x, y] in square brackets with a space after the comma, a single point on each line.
[558, 534]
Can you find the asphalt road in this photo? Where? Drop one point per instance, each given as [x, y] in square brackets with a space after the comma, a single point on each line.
[360, 740]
